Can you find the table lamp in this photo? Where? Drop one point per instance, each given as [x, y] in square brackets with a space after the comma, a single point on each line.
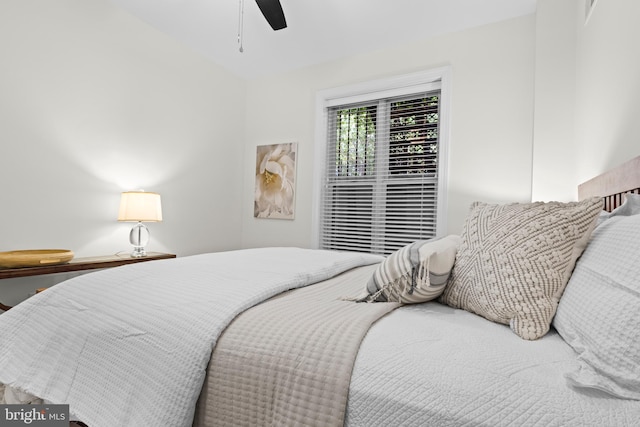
[139, 206]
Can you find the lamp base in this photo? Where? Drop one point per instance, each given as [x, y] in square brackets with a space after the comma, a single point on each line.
[138, 252]
[139, 237]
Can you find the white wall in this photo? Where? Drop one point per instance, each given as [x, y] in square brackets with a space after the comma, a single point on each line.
[94, 102]
[540, 104]
[491, 118]
[586, 94]
[554, 149]
[608, 86]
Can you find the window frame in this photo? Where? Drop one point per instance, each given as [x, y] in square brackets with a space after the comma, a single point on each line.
[407, 84]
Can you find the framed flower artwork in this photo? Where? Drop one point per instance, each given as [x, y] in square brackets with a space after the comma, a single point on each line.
[275, 181]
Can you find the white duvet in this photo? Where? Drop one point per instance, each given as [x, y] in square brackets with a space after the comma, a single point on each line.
[432, 365]
[118, 362]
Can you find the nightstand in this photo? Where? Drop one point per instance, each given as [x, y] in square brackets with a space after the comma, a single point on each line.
[79, 264]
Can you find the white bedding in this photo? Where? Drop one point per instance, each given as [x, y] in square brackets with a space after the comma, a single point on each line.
[118, 362]
[421, 365]
[432, 365]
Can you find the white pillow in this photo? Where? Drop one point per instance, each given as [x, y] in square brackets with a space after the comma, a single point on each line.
[630, 206]
[599, 313]
[415, 273]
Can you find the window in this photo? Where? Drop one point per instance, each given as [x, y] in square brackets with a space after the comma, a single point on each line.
[381, 180]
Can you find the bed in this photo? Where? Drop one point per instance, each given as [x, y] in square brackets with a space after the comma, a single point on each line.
[289, 336]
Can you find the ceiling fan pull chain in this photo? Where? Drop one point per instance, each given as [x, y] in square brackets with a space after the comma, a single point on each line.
[240, 23]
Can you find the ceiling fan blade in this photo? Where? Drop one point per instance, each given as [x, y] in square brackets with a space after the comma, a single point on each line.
[273, 13]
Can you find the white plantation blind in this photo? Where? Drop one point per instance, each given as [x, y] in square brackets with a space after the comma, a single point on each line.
[380, 185]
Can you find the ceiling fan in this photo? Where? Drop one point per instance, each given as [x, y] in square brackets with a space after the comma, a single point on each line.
[272, 12]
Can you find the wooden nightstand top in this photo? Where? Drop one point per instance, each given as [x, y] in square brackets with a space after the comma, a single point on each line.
[79, 264]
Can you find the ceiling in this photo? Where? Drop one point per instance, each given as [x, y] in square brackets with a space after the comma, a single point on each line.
[318, 30]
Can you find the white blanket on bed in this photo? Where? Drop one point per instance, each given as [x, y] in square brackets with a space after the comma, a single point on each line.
[129, 346]
[432, 365]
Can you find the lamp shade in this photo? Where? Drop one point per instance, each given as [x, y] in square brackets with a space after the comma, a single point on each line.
[140, 206]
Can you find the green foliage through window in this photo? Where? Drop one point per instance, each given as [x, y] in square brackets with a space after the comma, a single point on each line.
[355, 142]
[413, 136]
[411, 130]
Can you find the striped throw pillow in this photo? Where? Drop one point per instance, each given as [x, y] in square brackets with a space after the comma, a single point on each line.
[415, 273]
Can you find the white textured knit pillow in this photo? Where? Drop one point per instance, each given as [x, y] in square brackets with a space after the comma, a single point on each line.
[599, 314]
[415, 273]
[515, 260]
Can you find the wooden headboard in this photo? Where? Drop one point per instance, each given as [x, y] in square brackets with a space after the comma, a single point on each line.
[614, 184]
